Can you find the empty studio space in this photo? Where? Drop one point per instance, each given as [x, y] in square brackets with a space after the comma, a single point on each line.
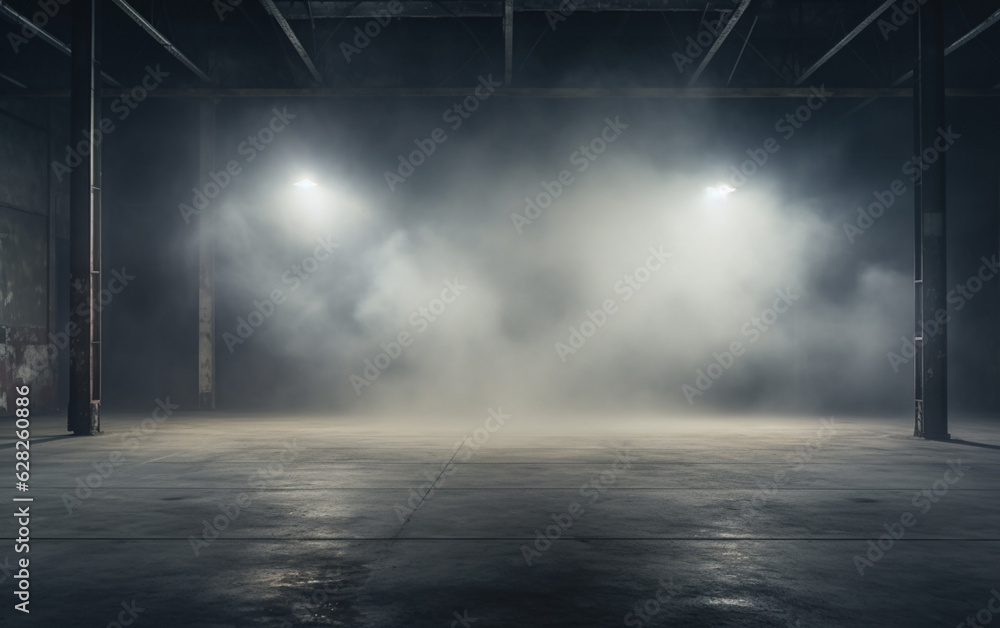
[500, 313]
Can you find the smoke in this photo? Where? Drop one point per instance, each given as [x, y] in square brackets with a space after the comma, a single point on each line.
[514, 266]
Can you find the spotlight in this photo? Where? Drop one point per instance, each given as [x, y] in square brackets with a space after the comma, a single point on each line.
[719, 192]
[305, 183]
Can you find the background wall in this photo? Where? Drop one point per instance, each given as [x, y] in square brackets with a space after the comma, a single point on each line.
[452, 217]
[33, 246]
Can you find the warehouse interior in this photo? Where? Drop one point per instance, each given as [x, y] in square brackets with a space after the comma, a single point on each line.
[500, 312]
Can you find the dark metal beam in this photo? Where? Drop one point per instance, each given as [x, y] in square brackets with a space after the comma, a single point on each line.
[482, 8]
[975, 32]
[961, 41]
[13, 16]
[206, 262]
[846, 40]
[746, 42]
[930, 200]
[958, 43]
[508, 40]
[13, 81]
[728, 28]
[160, 39]
[83, 412]
[520, 92]
[286, 27]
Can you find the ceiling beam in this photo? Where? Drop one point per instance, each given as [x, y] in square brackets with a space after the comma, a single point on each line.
[13, 81]
[728, 28]
[961, 41]
[279, 17]
[160, 39]
[481, 8]
[975, 32]
[13, 16]
[519, 92]
[846, 40]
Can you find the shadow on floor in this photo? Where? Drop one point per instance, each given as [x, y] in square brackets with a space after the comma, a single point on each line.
[41, 439]
[959, 441]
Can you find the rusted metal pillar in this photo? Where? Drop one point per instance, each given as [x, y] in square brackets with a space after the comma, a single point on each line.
[931, 331]
[84, 410]
[206, 263]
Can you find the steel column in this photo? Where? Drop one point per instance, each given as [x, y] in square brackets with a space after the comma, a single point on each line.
[206, 263]
[84, 416]
[931, 331]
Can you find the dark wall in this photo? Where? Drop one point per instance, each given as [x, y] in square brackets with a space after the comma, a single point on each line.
[32, 218]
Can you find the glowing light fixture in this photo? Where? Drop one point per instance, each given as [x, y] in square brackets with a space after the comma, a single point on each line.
[305, 183]
[720, 191]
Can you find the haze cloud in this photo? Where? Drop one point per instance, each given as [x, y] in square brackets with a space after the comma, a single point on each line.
[719, 265]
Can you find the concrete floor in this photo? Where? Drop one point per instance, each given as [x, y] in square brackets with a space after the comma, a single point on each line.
[327, 537]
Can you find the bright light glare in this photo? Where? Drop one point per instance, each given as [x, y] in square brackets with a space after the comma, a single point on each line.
[316, 200]
[720, 191]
